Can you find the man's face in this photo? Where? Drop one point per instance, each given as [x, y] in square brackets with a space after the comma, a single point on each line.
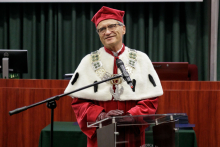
[111, 38]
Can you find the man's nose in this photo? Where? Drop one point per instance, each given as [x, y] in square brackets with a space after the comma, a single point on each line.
[107, 31]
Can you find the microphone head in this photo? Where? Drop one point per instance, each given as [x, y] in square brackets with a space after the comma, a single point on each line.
[119, 62]
[125, 74]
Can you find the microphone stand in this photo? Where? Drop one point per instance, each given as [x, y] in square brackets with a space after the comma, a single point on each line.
[51, 103]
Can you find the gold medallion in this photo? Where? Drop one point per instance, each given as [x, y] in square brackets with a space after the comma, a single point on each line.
[116, 81]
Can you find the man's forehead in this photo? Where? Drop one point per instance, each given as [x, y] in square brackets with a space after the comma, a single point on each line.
[106, 22]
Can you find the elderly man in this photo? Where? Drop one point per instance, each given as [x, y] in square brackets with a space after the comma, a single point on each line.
[115, 97]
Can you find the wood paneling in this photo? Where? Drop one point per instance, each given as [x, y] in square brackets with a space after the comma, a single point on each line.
[190, 85]
[23, 129]
[33, 83]
[200, 100]
[202, 108]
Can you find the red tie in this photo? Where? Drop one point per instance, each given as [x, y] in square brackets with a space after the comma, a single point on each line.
[115, 71]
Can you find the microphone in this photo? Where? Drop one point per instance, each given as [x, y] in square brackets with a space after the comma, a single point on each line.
[125, 74]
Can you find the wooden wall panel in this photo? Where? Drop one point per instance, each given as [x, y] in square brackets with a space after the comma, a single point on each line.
[190, 85]
[1, 118]
[31, 83]
[23, 129]
[167, 85]
[200, 100]
[202, 108]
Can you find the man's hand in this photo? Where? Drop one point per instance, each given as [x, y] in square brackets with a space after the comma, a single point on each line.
[111, 113]
[126, 120]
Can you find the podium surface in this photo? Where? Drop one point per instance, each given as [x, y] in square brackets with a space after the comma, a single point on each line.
[128, 131]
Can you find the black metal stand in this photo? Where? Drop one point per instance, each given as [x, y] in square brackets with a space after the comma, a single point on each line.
[51, 103]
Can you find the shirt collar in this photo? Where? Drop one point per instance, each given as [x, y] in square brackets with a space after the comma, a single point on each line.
[116, 53]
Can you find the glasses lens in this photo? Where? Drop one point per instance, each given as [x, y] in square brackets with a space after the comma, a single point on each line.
[102, 30]
[111, 27]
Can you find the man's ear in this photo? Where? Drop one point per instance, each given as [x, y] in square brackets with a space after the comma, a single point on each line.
[124, 30]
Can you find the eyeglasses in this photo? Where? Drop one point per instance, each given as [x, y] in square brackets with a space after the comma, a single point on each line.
[110, 27]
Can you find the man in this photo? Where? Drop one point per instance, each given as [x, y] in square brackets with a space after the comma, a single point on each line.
[115, 97]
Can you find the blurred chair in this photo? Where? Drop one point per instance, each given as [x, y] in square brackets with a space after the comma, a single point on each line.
[192, 72]
[176, 71]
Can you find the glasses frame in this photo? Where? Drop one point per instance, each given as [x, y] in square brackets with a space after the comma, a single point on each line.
[97, 30]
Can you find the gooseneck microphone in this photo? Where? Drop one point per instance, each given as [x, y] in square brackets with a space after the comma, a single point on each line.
[125, 74]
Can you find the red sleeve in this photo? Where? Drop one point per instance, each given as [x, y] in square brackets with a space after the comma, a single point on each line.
[86, 111]
[144, 107]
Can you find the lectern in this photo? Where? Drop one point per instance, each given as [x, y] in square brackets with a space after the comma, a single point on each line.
[125, 131]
